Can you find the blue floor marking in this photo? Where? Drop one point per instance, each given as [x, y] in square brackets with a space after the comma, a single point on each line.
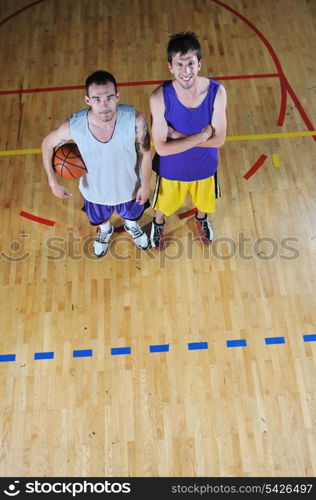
[159, 348]
[82, 353]
[274, 340]
[120, 350]
[7, 357]
[85, 353]
[197, 345]
[236, 343]
[43, 355]
[309, 338]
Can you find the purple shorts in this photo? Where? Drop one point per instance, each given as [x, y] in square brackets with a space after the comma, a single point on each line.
[97, 214]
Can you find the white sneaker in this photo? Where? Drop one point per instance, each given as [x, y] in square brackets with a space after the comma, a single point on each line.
[140, 238]
[101, 243]
[157, 239]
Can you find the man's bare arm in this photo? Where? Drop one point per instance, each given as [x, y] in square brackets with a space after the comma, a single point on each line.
[163, 145]
[142, 144]
[54, 139]
[219, 124]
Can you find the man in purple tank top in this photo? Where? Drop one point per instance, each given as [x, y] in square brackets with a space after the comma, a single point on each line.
[188, 127]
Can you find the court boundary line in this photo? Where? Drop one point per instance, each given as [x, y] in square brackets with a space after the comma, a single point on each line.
[35, 218]
[26, 7]
[285, 87]
[284, 83]
[130, 84]
[229, 138]
[156, 348]
[255, 167]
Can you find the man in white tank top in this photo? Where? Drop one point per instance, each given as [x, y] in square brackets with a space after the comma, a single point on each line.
[114, 143]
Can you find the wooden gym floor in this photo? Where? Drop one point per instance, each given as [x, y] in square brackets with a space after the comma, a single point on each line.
[231, 390]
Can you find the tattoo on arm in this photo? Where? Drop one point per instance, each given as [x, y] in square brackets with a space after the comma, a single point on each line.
[144, 142]
[138, 149]
[145, 137]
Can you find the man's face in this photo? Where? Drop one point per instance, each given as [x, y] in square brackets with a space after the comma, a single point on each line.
[185, 69]
[102, 100]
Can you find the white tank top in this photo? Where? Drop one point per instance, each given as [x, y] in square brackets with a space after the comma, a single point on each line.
[113, 175]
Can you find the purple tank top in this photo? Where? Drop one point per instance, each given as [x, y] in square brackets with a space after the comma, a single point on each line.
[195, 163]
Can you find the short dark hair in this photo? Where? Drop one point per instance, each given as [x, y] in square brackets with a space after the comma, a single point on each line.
[100, 78]
[183, 43]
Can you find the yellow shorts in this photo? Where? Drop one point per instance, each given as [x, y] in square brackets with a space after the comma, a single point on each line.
[170, 195]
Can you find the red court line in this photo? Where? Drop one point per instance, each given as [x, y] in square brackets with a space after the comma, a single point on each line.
[260, 35]
[37, 219]
[255, 167]
[245, 77]
[283, 101]
[300, 108]
[285, 86]
[129, 84]
[271, 51]
[19, 11]
[188, 213]
[132, 84]
[246, 176]
[44, 89]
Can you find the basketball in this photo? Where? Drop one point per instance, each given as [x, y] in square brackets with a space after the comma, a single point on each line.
[68, 163]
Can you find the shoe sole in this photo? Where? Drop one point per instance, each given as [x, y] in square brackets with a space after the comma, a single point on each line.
[100, 255]
[143, 248]
[140, 248]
